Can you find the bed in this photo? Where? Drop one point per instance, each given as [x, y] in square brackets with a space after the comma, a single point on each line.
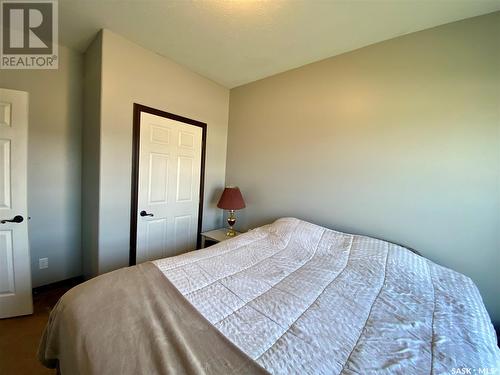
[290, 297]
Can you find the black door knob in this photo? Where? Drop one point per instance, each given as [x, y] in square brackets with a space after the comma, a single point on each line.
[144, 213]
[17, 219]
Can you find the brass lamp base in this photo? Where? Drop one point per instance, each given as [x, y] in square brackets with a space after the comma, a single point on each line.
[231, 220]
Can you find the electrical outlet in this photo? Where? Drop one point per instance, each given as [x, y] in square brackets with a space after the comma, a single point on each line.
[43, 263]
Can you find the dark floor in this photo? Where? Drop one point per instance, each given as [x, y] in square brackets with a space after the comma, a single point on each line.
[497, 330]
[19, 337]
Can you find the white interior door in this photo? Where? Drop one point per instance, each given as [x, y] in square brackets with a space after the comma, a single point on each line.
[169, 186]
[15, 272]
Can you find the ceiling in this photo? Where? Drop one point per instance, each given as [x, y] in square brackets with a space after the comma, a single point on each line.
[234, 42]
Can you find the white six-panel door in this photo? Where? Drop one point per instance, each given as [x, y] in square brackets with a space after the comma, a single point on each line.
[15, 272]
[168, 189]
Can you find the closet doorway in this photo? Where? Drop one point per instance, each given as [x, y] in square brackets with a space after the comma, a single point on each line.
[167, 184]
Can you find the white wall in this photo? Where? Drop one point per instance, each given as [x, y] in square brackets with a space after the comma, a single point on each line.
[132, 74]
[399, 140]
[54, 164]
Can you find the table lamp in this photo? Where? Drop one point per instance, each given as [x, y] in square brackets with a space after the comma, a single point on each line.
[231, 200]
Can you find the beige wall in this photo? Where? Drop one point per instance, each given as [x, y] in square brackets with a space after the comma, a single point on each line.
[91, 156]
[54, 164]
[399, 140]
[132, 74]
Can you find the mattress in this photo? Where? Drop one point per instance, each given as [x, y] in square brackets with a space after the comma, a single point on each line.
[302, 299]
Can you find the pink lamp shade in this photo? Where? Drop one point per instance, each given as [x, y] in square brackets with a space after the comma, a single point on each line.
[231, 199]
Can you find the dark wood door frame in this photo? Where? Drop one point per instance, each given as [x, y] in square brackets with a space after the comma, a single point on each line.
[136, 142]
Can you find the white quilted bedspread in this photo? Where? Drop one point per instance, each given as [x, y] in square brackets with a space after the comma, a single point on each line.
[300, 298]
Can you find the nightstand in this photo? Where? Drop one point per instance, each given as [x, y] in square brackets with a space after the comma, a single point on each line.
[214, 236]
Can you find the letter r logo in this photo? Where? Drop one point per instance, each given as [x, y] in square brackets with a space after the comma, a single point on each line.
[27, 27]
